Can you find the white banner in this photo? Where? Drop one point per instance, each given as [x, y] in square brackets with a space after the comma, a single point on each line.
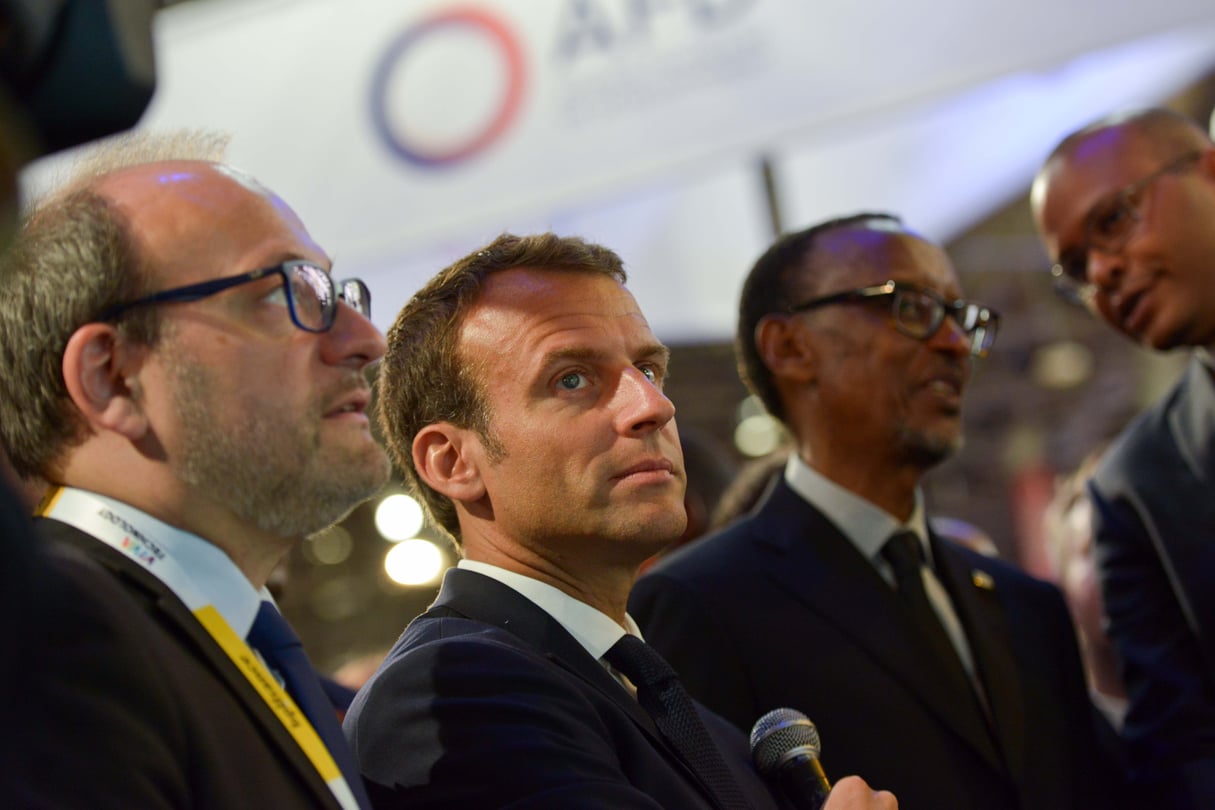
[405, 133]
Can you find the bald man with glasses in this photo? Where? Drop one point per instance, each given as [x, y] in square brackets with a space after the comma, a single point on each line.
[954, 676]
[182, 370]
[1126, 210]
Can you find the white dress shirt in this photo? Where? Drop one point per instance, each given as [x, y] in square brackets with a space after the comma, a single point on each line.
[868, 528]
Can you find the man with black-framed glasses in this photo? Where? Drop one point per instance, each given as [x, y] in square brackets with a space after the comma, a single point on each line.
[182, 370]
[954, 676]
[1126, 211]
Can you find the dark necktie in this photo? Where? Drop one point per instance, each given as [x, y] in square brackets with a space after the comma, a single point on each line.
[670, 706]
[906, 557]
[281, 648]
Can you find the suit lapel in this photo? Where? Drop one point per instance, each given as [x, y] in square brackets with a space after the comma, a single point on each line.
[820, 567]
[1182, 535]
[174, 612]
[977, 602]
[1192, 423]
[484, 599]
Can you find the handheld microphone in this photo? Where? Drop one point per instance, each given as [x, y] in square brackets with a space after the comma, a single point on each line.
[785, 748]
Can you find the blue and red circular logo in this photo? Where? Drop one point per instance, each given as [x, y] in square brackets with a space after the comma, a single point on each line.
[448, 87]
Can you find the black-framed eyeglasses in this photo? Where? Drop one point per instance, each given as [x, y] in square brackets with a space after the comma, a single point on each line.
[1107, 228]
[312, 296]
[919, 312]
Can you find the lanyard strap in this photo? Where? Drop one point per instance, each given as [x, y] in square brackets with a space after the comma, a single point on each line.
[127, 534]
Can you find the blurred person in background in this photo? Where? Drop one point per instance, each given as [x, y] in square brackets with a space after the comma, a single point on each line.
[748, 487]
[1126, 210]
[709, 469]
[964, 533]
[946, 675]
[1068, 524]
[1068, 533]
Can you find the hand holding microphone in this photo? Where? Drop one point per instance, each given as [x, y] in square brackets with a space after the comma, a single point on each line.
[785, 746]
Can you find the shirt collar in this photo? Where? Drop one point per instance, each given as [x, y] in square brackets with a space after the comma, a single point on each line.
[212, 573]
[594, 630]
[1206, 356]
[865, 524]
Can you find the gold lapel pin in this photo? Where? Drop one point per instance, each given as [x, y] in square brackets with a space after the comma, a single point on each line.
[982, 579]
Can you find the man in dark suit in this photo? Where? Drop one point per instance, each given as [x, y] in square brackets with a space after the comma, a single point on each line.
[1126, 209]
[522, 396]
[180, 368]
[948, 676]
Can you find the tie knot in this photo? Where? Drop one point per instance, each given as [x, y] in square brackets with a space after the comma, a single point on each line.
[639, 662]
[270, 631]
[904, 552]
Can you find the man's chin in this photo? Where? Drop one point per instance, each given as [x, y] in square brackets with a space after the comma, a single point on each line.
[1183, 337]
[930, 449]
[658, 526]
[364, 461]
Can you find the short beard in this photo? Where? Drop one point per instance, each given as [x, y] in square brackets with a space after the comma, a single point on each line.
[266, 470]
[925, 451]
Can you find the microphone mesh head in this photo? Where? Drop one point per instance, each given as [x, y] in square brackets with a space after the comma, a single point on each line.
[780, 735]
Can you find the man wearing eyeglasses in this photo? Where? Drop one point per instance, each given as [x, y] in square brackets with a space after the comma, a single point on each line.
[180, 367]
[949, 676]
[1126, 210]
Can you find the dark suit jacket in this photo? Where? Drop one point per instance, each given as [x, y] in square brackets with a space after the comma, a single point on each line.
[24, 604]
[1154, 521]
[146, 710]
[780, 609]
[486, 701]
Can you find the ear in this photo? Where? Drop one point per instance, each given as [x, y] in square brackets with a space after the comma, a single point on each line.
[99, 369]
[446, 458]
[785, 349]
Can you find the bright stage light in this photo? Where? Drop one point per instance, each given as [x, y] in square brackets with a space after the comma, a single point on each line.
[413, 562]
[398, 517]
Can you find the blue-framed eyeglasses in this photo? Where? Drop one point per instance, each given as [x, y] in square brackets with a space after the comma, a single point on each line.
[919, 312]
[312, 296]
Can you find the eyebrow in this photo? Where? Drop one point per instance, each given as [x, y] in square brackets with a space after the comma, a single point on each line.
[655, 351]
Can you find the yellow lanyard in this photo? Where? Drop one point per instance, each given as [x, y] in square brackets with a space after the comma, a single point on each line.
[128, 534]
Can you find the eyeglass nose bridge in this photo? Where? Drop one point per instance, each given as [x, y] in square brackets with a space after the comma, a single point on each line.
[975, 324]
[325, 298]
[919, 328]
[954, 316]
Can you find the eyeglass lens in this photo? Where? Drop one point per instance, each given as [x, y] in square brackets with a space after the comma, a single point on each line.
[919, 315]
[357, 296]
[311, 296]
[1108, 230]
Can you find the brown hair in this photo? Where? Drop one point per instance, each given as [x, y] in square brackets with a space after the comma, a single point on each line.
[73, 257]
[423, 379]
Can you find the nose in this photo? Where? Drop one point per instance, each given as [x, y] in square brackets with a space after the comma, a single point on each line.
[352, 341]
[642, 406]
[1105, 270]
[950, 338]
